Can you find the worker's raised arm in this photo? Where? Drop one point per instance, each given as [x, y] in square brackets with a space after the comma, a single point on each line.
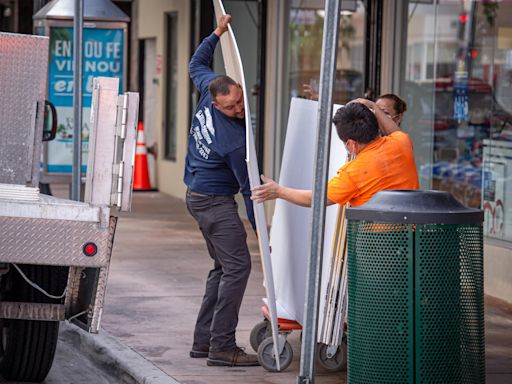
[386, 123]
[222, 25]
[199, 66]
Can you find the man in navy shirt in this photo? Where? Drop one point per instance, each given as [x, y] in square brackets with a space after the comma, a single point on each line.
[215, 171]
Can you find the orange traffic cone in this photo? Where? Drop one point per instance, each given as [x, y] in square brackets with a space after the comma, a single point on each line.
[141, 172]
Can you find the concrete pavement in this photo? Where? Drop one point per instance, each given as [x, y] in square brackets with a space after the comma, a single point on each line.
[156, 284]
[155, 287]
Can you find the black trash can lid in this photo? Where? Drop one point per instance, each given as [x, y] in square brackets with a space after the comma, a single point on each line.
[415, 207]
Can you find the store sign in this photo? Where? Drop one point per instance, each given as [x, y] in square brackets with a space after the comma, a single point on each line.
[102, 56]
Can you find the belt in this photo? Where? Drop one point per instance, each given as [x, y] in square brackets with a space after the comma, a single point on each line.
[191, 192]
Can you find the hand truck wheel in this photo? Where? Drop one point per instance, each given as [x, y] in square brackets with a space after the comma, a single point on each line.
[267, 359]
[332, 358]
[259, 333]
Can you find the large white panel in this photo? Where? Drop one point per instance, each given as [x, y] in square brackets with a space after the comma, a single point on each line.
[290, 234]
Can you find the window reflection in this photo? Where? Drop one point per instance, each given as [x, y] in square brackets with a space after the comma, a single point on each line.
[306, 20]
[458, 78]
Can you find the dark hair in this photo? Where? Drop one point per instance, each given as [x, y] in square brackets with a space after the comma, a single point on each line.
[221, 85]
[400, 105]
[355, 121]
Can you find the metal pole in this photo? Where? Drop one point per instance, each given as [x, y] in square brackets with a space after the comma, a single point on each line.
[327, 77]
[76, 182]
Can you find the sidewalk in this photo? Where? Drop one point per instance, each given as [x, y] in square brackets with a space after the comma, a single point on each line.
[156, 284]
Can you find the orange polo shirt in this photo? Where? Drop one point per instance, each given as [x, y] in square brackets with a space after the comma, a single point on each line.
[387, 163]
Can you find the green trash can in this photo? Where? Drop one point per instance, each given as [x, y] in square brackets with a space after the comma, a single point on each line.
[415, 290]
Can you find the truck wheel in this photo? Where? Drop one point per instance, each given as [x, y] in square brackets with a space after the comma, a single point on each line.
[29, 350]
[29, 345]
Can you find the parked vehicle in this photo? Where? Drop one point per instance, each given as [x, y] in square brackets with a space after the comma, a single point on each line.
[55, 252]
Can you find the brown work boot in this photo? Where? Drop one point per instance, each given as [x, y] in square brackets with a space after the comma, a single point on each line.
[200, 350]
[232, 358]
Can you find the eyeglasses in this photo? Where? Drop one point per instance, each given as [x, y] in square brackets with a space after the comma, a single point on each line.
[392, 117]
[387, 114]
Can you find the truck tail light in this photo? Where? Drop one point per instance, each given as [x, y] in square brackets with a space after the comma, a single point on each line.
[90, 249]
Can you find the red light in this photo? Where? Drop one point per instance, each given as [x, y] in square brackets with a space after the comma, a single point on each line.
[474, 53]
[90, 249]
[463, 18]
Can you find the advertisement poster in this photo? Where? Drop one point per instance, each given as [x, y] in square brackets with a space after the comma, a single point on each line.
[494, 199]
[102, 56]
[460, 93]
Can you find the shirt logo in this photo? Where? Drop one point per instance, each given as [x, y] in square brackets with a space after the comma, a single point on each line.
[204, 132]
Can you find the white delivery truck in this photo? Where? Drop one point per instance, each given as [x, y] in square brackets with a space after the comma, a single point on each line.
[54, 253]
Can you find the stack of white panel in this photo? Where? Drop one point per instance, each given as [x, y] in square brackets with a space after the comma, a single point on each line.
[335, 305]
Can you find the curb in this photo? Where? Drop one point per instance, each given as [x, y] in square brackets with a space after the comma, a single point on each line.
[116, 359]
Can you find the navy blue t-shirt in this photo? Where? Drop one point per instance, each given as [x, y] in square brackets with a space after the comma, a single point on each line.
[215, 162]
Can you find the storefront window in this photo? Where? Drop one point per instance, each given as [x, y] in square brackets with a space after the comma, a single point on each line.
[458, 78]
[305, 31]
[306, 20]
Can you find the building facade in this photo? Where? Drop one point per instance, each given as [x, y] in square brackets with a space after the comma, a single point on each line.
[450, 60]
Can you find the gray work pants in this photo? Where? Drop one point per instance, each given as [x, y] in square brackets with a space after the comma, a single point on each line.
[226, 240]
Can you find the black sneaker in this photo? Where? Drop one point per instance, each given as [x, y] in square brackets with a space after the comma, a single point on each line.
[199, 350]
[235, 357]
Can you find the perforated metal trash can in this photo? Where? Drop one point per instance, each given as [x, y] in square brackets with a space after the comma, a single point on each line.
[415, 290]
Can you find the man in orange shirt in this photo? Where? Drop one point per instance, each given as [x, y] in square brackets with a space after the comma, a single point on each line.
[381, 162]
